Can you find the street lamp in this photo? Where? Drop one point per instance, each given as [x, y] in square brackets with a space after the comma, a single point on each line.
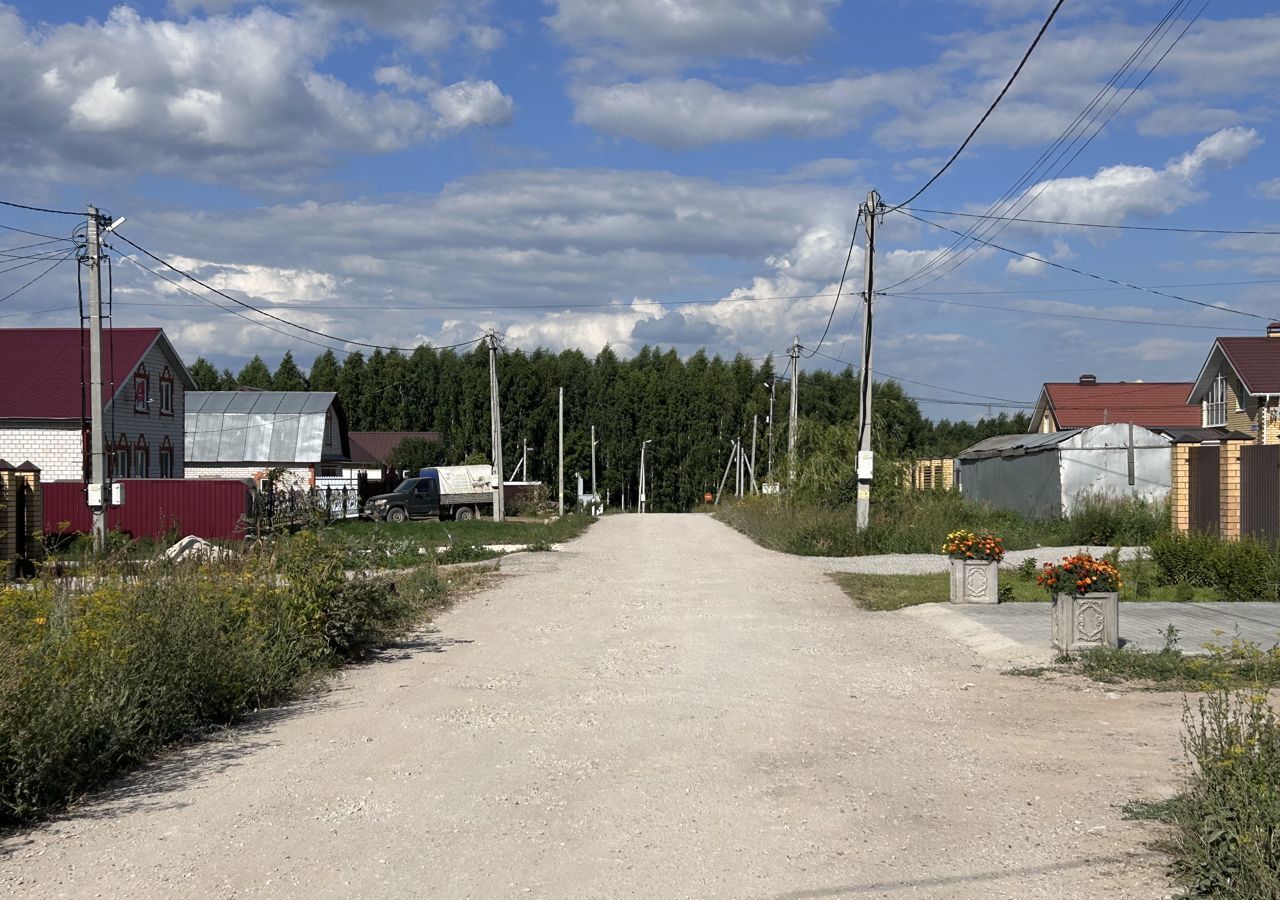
[643, 482]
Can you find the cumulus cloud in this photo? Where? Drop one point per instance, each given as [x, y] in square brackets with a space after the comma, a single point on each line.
[644, 35]
[1031, 264]
[227, 97]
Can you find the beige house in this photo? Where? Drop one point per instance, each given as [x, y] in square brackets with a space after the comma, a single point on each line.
[1239, 386]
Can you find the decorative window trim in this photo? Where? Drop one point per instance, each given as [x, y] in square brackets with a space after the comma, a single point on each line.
[1215, 403]
[141, 391]
[121, 458]
[166, 458]
[140, 461]
[166, 392]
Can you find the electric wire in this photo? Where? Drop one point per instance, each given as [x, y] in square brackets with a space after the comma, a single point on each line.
[990, 109]
[35, 233]
[1115, 281]
[40, 209]
[248, 306]
[1169, 228]
[843, 273]
[55, 265]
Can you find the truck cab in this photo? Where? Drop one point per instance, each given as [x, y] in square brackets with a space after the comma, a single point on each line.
[413, 498]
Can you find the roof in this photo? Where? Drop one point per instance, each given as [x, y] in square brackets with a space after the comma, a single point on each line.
[1255, 361]
[1202, 435]
[1018, 444]
[1114, 435]
[377, 446]
[55, 354]
[257, 426]
[1146, 403]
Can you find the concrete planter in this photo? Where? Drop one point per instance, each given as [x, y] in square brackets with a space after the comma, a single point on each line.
[1084, 621]
[975, 581]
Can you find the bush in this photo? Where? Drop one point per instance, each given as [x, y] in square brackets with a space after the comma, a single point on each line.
[95, 679]
[1237, 570]
[1226, 840]
[1099, 520]
[1185, 557]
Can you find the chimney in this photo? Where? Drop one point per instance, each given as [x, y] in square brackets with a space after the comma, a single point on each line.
[1093, 379]
[1273, 330]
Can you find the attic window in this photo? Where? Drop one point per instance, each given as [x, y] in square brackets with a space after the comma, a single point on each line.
[328, 429]
[1215, 404]
[141, 390]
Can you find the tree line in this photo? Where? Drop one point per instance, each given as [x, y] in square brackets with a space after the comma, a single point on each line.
[691, 410]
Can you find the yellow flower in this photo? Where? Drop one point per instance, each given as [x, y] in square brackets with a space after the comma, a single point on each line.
[40, 620]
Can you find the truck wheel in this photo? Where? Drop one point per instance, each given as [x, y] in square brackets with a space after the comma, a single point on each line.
[397, 515]
[464, 513]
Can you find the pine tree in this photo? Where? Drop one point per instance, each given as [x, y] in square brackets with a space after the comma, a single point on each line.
[255, 374]
[288, 376]
[205, 376]
[324, 372]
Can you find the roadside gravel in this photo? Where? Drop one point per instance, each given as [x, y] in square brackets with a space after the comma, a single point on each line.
[661, 710]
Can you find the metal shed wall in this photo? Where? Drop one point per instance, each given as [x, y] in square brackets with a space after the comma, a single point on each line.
[1096, 462]
[1027, 484]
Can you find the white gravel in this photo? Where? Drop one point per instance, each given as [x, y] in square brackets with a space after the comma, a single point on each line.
[661, 710]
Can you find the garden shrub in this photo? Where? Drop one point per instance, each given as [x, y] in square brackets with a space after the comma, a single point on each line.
[1099, 520]
[1185, 557]
[1244, 570]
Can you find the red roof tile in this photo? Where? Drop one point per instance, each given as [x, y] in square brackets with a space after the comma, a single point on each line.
[40, 368]
[1256, 360]
[1149, 404]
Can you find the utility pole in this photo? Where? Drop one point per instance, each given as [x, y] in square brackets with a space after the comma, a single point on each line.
[794, 352]
[771, 385]
[644, 487]
[593, 466]
[495, 422]
[865, 458]
[99, 489]
[560, 476]
[755, 423]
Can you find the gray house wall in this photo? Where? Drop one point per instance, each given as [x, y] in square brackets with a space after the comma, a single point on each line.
[151, 425]
[1027, 484]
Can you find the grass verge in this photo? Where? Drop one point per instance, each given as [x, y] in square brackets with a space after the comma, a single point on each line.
[885, 593]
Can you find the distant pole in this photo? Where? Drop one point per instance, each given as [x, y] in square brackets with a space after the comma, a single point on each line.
[773, 382]
[755, 423]
[99, 489]
[560, 477]
[495, 421]
[644, 481]
[794, 352]
[865, 458]
[733, 455]
[593, 465]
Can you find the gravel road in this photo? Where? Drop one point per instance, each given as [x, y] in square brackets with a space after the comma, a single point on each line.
[661, 710]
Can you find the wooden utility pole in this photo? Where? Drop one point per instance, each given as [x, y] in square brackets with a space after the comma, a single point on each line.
[794, 352]
[865, 458]
[495, 422]
[560, 476]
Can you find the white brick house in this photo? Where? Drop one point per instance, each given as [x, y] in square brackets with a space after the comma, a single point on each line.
[46, 400]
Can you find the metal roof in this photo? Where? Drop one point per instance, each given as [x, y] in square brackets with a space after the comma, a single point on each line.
[1018, 444]
[40, 368]
[377, 446]
[1202, 435]
[257, 426]
[1146, 403]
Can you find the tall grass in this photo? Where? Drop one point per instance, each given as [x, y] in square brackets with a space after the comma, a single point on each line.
[98, 674]
[919, 521]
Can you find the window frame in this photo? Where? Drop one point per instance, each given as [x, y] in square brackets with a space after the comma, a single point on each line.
[1215, 403]
[140, 458]
[141, 399]
[166, 458]
[166, 392]
[120, 452]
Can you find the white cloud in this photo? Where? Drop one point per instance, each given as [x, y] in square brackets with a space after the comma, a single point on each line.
[648, 36]
[1031, 264]
[226, 97]
[1270, 189]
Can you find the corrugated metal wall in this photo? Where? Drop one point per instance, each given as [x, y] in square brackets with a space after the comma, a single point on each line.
[154, 508]
[1028, 484]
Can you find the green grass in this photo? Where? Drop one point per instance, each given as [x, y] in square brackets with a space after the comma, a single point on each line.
[885, 593]
[1238, 664]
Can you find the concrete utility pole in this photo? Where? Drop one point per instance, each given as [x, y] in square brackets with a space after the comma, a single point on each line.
[771, 385]
[593, 465]
[99, 488]
[794, 352]
[865, 457]
[733, 456]
[495, 422]
[560, 476]
[755, 423]
[644, 486]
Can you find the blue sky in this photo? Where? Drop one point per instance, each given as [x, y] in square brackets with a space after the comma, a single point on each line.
[571, 171]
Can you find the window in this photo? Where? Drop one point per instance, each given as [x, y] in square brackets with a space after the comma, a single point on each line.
[328, 429]
[166, 458]
[141, 459]
[119, 465]
[142, 391]
[166, 392]
[1215, 403]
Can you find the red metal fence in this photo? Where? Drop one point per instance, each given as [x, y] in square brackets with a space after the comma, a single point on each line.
[155, 507]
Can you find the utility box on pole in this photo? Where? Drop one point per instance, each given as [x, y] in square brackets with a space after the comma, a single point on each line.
[865, 458]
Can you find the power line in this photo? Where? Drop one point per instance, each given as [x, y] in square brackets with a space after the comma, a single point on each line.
[1092, 290]
[40, 209]
[269, 315]
[55, 265]
[853, 239]
[36, 234]
[1049, 315]
[990, 109]
[937, 387]
[1176, 230]
[1067, 268]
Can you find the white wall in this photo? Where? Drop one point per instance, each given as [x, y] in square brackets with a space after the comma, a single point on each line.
[298, 476]
[55, 450]
[1096, 461]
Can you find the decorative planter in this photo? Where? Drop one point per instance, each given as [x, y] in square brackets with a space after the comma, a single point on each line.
[1084, 621]
[975, 581]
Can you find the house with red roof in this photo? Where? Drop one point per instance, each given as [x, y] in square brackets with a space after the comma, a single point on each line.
[45, 402]
[1089, 402]
[1239, 386]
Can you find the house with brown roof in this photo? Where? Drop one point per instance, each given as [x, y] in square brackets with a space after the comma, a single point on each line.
[371, 451]
[1239, 386]
[1088, 402]
[43, 408]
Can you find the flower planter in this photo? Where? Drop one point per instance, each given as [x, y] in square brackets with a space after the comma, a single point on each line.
[975, 581]
[1084, 621]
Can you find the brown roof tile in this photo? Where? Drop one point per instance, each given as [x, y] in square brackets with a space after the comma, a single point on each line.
[1256, 360]
[1150, 404]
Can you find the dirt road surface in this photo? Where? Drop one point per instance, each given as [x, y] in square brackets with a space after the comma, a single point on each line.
[662, 710]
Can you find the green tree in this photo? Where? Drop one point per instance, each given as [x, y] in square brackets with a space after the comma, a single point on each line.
[255, 374]
[416, 453]
[288, 376]
[205, 375]
[324, 372]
